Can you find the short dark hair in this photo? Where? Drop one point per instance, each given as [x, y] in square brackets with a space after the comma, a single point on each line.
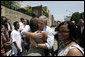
[3, 25]
[15, 23]
[21, 19]
[72, 30]
[27, 22]
[34, 24]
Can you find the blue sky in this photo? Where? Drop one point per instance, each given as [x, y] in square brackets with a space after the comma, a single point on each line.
[59, 9]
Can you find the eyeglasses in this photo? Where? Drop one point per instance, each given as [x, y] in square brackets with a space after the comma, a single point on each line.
[41, 23]
[63, 32]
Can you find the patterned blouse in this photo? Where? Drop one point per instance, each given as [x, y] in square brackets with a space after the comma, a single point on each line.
[64, 52]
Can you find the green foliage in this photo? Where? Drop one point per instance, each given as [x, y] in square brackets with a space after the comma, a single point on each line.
[28, 8]
[82, 15]
[45, 12]
[6, 3]
[11, 4]
[75, 17]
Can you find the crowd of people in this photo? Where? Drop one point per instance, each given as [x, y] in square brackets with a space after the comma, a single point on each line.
[37, 38]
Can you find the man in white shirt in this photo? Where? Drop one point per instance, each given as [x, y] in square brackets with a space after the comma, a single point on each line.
[16, 40]
[42, 25]
[21, 24]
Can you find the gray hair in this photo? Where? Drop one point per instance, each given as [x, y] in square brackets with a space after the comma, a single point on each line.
[43, 18]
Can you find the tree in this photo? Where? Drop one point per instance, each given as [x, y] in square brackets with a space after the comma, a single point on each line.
[11, 4]
[45, 12]
[82, 15]
[28, 8]
[75, 16]
[6, 3]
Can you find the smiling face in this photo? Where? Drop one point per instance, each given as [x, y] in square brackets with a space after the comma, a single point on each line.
[3, 28]
[41, 24]
[25, 22]
[63, 32]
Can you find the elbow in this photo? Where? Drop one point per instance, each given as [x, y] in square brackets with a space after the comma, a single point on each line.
[49, 46]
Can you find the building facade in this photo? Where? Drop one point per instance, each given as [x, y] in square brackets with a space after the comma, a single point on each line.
[38, 11]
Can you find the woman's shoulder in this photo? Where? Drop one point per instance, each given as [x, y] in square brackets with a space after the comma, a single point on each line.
[72, 49]
[75, 50]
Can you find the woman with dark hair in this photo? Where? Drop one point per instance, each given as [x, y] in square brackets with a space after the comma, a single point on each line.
[4, 40]
[36, 37]
[68, 36]
[34, 24]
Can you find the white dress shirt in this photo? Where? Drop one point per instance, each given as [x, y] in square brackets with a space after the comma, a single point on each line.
[16, 37]
[50, 39]
[82, 29]
[21, 25]
[26, 28]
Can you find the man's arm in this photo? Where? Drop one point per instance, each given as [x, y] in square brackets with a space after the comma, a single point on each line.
[33, 35]
[27, 33]
[42, 46]
[50, 38]
[47, 45]
[13, 36]
[16, 47]
[50, 41]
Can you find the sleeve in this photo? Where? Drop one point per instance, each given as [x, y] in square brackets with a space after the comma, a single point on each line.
[27, 28]
[50, 39]
[13, 37]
